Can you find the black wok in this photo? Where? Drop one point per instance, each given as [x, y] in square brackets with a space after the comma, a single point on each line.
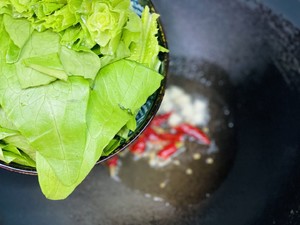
[254, 49]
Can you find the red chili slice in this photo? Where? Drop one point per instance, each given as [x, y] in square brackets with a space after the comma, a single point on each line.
[139, 146]
[167, 151]
[113, 161]
[160, 119]
[172, 137]
[151, 135]
[194, 132]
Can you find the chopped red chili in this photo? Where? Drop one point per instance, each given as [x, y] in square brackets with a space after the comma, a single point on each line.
[113, 161]
[139, 146]
[151, 135]
[160, 119]
[172, 137]
[193, 132]
[167, 151]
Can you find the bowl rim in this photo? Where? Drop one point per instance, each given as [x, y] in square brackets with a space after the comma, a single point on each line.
[18, 168]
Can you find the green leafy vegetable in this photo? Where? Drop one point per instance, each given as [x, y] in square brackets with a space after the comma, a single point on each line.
[73, 76]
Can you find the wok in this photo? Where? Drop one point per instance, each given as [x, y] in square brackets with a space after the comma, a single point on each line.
[250, 53]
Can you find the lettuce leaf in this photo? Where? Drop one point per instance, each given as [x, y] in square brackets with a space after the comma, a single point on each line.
[4, 132]
[146, 49]
[17, 41]
[10, 135]
[47, 64]
[21, 25]
[115, 88]
[10, 153]
[80, 63]
[40, 44]
[46, 115]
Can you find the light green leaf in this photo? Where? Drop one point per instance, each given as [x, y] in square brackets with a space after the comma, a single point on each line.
[43, 9]
[146, 50]
[132, 30]
[127, 80]
[51, 187]
[9, 153]
[47, 64]
[112, 145]
[40, 44]
[60, 19]
[19, 30]
[120, 89]
[121, 53]
[78, 38]
[116, 85]
[5, 122]
[45, 116]
[20, 142]
[12, 136]
[4, 41]
[4, 132]
[131, 124]
[20, 6]
[86, 64]
[4, 4]
[13, 53]
[6, 157]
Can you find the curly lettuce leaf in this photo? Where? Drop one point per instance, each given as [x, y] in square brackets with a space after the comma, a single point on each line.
[108, 24]
[60, 20]
[4, 4]
[147, 48]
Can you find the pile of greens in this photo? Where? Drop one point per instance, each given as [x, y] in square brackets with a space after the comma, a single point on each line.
[73, 76]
